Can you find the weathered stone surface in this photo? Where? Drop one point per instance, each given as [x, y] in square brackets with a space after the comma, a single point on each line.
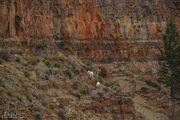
[93, 28]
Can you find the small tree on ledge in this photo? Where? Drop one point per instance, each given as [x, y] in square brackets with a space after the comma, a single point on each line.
[169, 72]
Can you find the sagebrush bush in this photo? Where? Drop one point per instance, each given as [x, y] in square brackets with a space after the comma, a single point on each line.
[14, 95]
[103, 72]
[33, 61]
[38, 116]
[68, 72]
[153, 84]
[5, 55]
[2, 84]
[52, 63]
[26, 73]
[83, 89]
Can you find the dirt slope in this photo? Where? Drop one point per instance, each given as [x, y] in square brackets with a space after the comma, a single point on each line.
[52, 87]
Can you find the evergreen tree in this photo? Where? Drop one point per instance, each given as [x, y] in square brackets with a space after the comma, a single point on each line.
[170, 64]
[169, 72]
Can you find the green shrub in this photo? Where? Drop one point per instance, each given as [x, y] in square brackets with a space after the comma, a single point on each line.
[44, 104]
[34, 94]
[169, 72]
[48, 63]
[45, 77]
[40, 46]
[153, 84]
[13, 95]
[5, 55]
[49, 72]
[83, 89]
[62, 115]
[2, 84]
[77, 94]
[19, 98]
[33, 61]
[68, 72]
[56, 64]
[101, 95]
[29, 98]
[108, 84]
[75, 67]
[103, 72]
[51, 63]
[25, 86]
[10, 94]
[26, 73]
[38, 116]
[17, 59]
[1, 61]
[12, 111]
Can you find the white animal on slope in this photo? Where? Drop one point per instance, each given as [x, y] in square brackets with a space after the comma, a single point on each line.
[98, 84]
[90, 73]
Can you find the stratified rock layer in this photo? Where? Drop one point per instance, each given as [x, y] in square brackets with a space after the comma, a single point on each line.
[92, 28]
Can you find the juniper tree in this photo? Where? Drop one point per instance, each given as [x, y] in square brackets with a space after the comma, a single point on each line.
[170, 62]
[169, 72]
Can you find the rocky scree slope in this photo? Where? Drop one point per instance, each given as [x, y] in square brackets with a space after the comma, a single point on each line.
[46, 86]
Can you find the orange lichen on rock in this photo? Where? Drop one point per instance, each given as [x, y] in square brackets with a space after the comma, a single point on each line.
[153, 28]
[178, 22]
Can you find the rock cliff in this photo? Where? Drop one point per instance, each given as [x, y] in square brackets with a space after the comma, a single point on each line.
[92, 28]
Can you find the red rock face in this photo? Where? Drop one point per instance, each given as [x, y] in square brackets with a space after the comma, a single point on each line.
[96, 28]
